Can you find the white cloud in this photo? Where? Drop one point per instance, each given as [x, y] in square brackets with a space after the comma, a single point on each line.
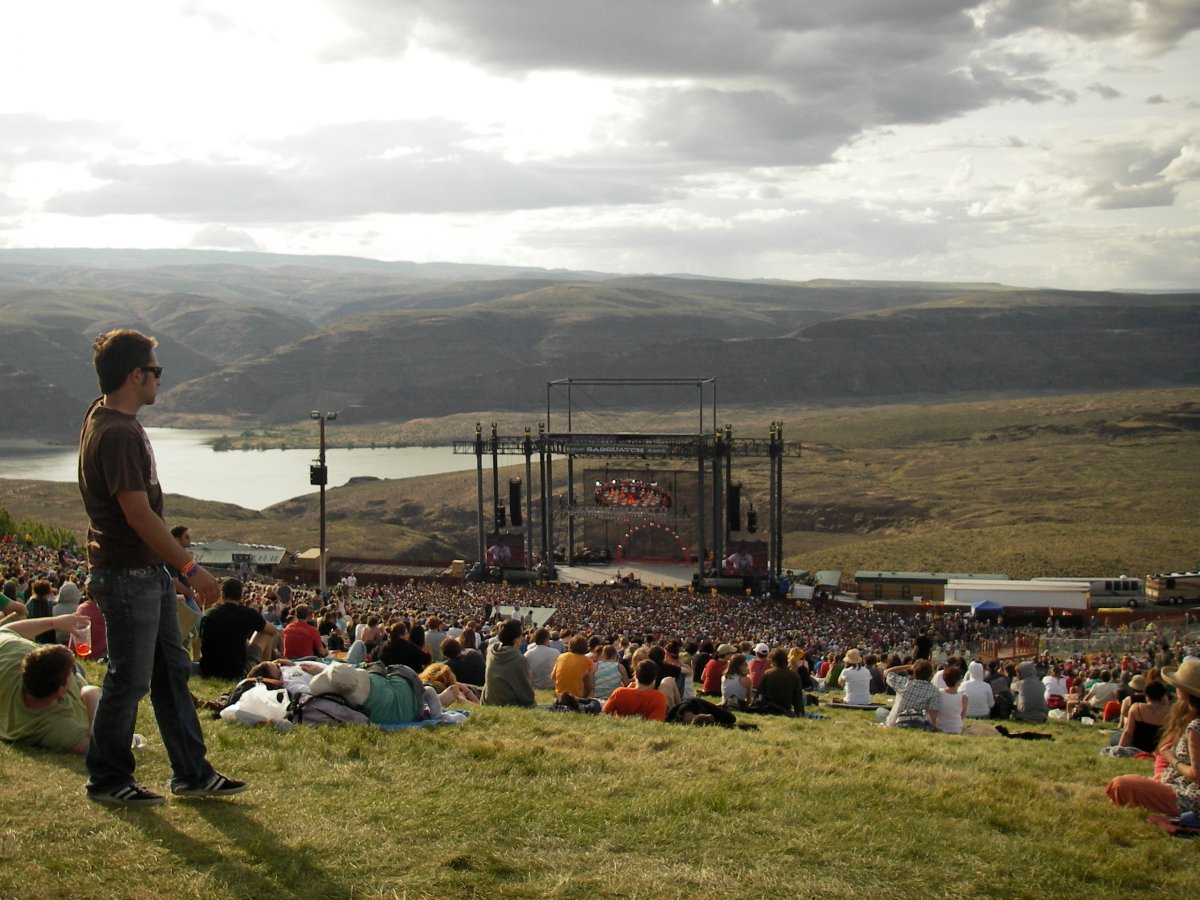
[746, 138]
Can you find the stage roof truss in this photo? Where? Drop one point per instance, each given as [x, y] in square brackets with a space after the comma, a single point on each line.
[628, 446]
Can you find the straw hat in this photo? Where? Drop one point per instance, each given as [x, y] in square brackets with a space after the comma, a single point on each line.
[1186, 677]
[725, 650]
[853, 658]
[1137, 683]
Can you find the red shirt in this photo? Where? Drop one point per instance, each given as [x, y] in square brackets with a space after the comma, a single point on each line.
[302, 639]
[629, 701]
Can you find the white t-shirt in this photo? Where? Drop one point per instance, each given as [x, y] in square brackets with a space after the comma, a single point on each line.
[950, 709]
[858, 685]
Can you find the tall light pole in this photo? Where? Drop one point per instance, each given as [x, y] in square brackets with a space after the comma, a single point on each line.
[318, 473]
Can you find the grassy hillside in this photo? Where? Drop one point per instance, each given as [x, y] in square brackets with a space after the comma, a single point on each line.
[523, 803]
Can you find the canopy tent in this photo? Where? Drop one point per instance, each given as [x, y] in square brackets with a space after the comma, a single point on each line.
[986, 606]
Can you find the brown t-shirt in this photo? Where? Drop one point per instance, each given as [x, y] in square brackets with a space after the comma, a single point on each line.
[115, 455]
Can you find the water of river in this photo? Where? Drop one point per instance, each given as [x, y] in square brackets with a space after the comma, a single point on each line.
[250, 478]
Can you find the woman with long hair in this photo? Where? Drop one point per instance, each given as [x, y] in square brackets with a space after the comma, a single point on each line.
[1177, 789]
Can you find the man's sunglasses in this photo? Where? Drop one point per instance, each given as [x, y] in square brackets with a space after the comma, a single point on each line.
[156, 371]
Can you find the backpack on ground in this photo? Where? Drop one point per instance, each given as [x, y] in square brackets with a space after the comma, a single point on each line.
[326, 709]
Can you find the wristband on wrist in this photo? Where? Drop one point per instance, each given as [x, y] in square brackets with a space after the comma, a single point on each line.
[191, 568]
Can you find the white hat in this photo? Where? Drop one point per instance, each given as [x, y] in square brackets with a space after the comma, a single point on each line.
[761, 649]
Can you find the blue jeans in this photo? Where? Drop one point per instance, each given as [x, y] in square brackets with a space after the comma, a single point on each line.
[145, 653]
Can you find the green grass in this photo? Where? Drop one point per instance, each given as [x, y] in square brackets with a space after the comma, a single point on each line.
[530, 804]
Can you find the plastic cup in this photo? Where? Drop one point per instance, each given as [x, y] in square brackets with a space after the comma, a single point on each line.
[83, 640]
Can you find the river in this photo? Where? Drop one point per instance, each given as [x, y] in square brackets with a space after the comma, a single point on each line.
[251, 478]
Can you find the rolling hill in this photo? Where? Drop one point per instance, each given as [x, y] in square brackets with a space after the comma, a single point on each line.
[257, 339]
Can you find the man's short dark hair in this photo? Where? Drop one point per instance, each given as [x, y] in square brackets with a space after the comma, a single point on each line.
[231, 589]
[303, 612]
[45, 670]
[922, 670]
[779, 658]
[541, 635]
[118, 352]
[647, 672]
[450, 648]
[510, 631]
[178, 531]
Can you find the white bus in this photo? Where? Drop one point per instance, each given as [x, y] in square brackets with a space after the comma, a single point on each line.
[1173, 588]
[1110, 592]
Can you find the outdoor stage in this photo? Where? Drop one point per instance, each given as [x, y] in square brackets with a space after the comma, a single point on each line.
[669, 575]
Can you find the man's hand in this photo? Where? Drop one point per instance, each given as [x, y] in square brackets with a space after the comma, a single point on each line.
[205, 586]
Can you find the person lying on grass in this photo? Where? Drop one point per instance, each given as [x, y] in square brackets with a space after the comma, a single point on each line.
[44, 702]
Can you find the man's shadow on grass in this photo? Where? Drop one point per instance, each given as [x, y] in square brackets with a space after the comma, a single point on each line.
[250, 860]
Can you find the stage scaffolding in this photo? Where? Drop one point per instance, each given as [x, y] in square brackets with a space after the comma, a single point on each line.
[712, 452]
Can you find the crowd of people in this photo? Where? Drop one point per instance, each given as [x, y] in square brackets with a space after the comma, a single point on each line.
[405, 652]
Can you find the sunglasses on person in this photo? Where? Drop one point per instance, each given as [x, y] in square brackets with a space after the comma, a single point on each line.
[156, 371]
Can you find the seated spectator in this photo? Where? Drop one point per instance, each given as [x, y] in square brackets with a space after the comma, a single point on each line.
[856, 679]
[1135, 692]
[979, 694]
[609, 674]
[952, 704]
[43, 700]
[1055, 688]
[233, 636]
[1146, 719]
[301, 637]
[1178, 789]
[780, 691]
[467, 665]
[41, 606]
[572, 672]
[917, 700]
[507, 681]
[714, 671]
[67, 602]
[1103, 692]
[798, 663]
[434, 635]
[10, 606]
[665, 682]
[1031, 695]
[642, 700]
[736, 691]
[542, 658]
[759, 664]
[398, 650]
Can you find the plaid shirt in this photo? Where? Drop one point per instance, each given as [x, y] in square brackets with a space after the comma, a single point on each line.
[914, 699]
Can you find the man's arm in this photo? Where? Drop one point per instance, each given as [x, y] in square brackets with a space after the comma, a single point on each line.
[150, 527]
[31, 628]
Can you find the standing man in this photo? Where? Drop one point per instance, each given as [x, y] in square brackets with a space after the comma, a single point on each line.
[129, 546]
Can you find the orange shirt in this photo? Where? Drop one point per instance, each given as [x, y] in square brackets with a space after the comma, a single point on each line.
[569, 671]
[629, 701]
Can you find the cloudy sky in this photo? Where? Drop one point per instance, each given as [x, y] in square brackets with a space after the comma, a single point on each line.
[1025, 141]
